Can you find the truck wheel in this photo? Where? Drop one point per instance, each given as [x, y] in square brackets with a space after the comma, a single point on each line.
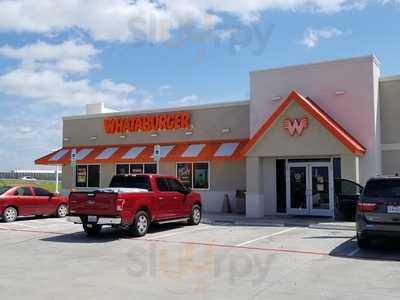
[10, 214]
[92, 231]
[140, 224]
[195, 218]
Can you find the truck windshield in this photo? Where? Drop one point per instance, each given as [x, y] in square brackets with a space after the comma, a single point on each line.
[138, 182]
[383, 189]
[4, 189]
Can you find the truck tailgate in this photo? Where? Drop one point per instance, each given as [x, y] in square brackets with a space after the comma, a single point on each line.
[93, 203]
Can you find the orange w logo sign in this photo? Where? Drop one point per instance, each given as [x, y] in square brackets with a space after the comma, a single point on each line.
[295, 126]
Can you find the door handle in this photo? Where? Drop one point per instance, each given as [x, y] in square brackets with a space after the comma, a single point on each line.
[160, 198]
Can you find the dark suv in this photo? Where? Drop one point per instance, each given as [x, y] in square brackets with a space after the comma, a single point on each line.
[378, 211]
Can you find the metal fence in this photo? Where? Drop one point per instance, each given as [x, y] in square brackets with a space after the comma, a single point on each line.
[39, 176]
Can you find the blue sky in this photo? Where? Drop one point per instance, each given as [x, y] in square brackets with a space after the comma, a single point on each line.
[57, 56]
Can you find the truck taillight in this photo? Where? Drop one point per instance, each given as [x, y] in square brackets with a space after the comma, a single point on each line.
[366, 207]
[120, 205]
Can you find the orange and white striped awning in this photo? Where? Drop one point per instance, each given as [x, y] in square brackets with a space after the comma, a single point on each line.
[176, 152]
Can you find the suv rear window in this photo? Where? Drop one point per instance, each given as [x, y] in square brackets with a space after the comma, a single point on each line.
[389, 188]
[138, 182]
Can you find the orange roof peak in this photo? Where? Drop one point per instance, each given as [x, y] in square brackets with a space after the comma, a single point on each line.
[321, 116]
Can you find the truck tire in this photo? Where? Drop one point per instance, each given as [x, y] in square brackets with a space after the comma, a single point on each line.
[141, 224]
[92, 231]
[195, 218]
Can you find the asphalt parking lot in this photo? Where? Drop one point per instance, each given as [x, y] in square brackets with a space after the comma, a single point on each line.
[53, 259]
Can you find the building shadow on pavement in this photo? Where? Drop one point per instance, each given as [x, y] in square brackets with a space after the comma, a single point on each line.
[383, 250]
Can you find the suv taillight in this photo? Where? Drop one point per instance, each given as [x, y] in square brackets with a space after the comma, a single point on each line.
[120, 204]
[366, 207]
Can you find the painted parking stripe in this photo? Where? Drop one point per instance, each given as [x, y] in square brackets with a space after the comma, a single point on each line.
[160, 236]
[265, 237]
[279, 250]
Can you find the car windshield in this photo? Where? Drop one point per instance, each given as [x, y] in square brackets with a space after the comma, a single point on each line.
[383, 189]
[4, 189]
[139, 182]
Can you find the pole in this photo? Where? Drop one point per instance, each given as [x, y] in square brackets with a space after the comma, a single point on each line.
[57, 181]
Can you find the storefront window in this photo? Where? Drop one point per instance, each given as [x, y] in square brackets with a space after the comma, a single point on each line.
[193, 175]
[122, 169]
[87, 176]
[150, 168]
[136, 169]
[200, 176]
[184, 173]
[81, 176]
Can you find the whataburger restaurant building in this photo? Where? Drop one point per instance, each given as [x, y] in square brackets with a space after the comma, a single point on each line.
[303, 127]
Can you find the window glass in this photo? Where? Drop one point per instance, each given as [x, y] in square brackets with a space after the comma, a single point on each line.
[122, 169]
[138, 182]
[150, 168]
[184, 174]
[347, 188]
[136, 169]
[23, 191]
[175, 185]
[383, 189]
[93, 176]
[41, 192]
[81, 176]
[200, 176]
[4, 189]
[162, 185]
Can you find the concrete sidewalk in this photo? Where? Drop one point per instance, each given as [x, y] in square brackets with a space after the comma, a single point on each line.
[280, 221]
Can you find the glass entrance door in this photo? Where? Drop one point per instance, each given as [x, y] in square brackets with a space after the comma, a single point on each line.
[310, 189]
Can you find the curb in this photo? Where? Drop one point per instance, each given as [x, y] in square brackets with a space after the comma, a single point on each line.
[265, 224]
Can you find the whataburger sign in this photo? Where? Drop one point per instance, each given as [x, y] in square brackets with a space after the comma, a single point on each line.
[157, 122]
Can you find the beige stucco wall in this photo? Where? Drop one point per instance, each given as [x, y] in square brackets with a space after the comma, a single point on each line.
[390, 109]
[357, 109]
[207, 125]
[391, 162]
[316, 141]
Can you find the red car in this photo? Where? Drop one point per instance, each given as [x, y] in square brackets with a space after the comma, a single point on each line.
[133, 202]
[27, 201]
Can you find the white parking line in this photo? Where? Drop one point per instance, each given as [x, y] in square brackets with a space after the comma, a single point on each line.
[160, 236]
[265, 237]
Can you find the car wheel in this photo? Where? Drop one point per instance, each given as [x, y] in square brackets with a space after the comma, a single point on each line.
[195, 218]
[10, 214]
[62, 210]
[141, 224]
[363, 243]
[92, 229]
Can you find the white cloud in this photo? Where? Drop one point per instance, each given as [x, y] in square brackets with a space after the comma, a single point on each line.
[56, 74]
[312, 37]
[185, 101]
[52, 87]
[69, 56]
[153, 20]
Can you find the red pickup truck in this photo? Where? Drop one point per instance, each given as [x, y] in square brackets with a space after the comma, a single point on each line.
[133, 202]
